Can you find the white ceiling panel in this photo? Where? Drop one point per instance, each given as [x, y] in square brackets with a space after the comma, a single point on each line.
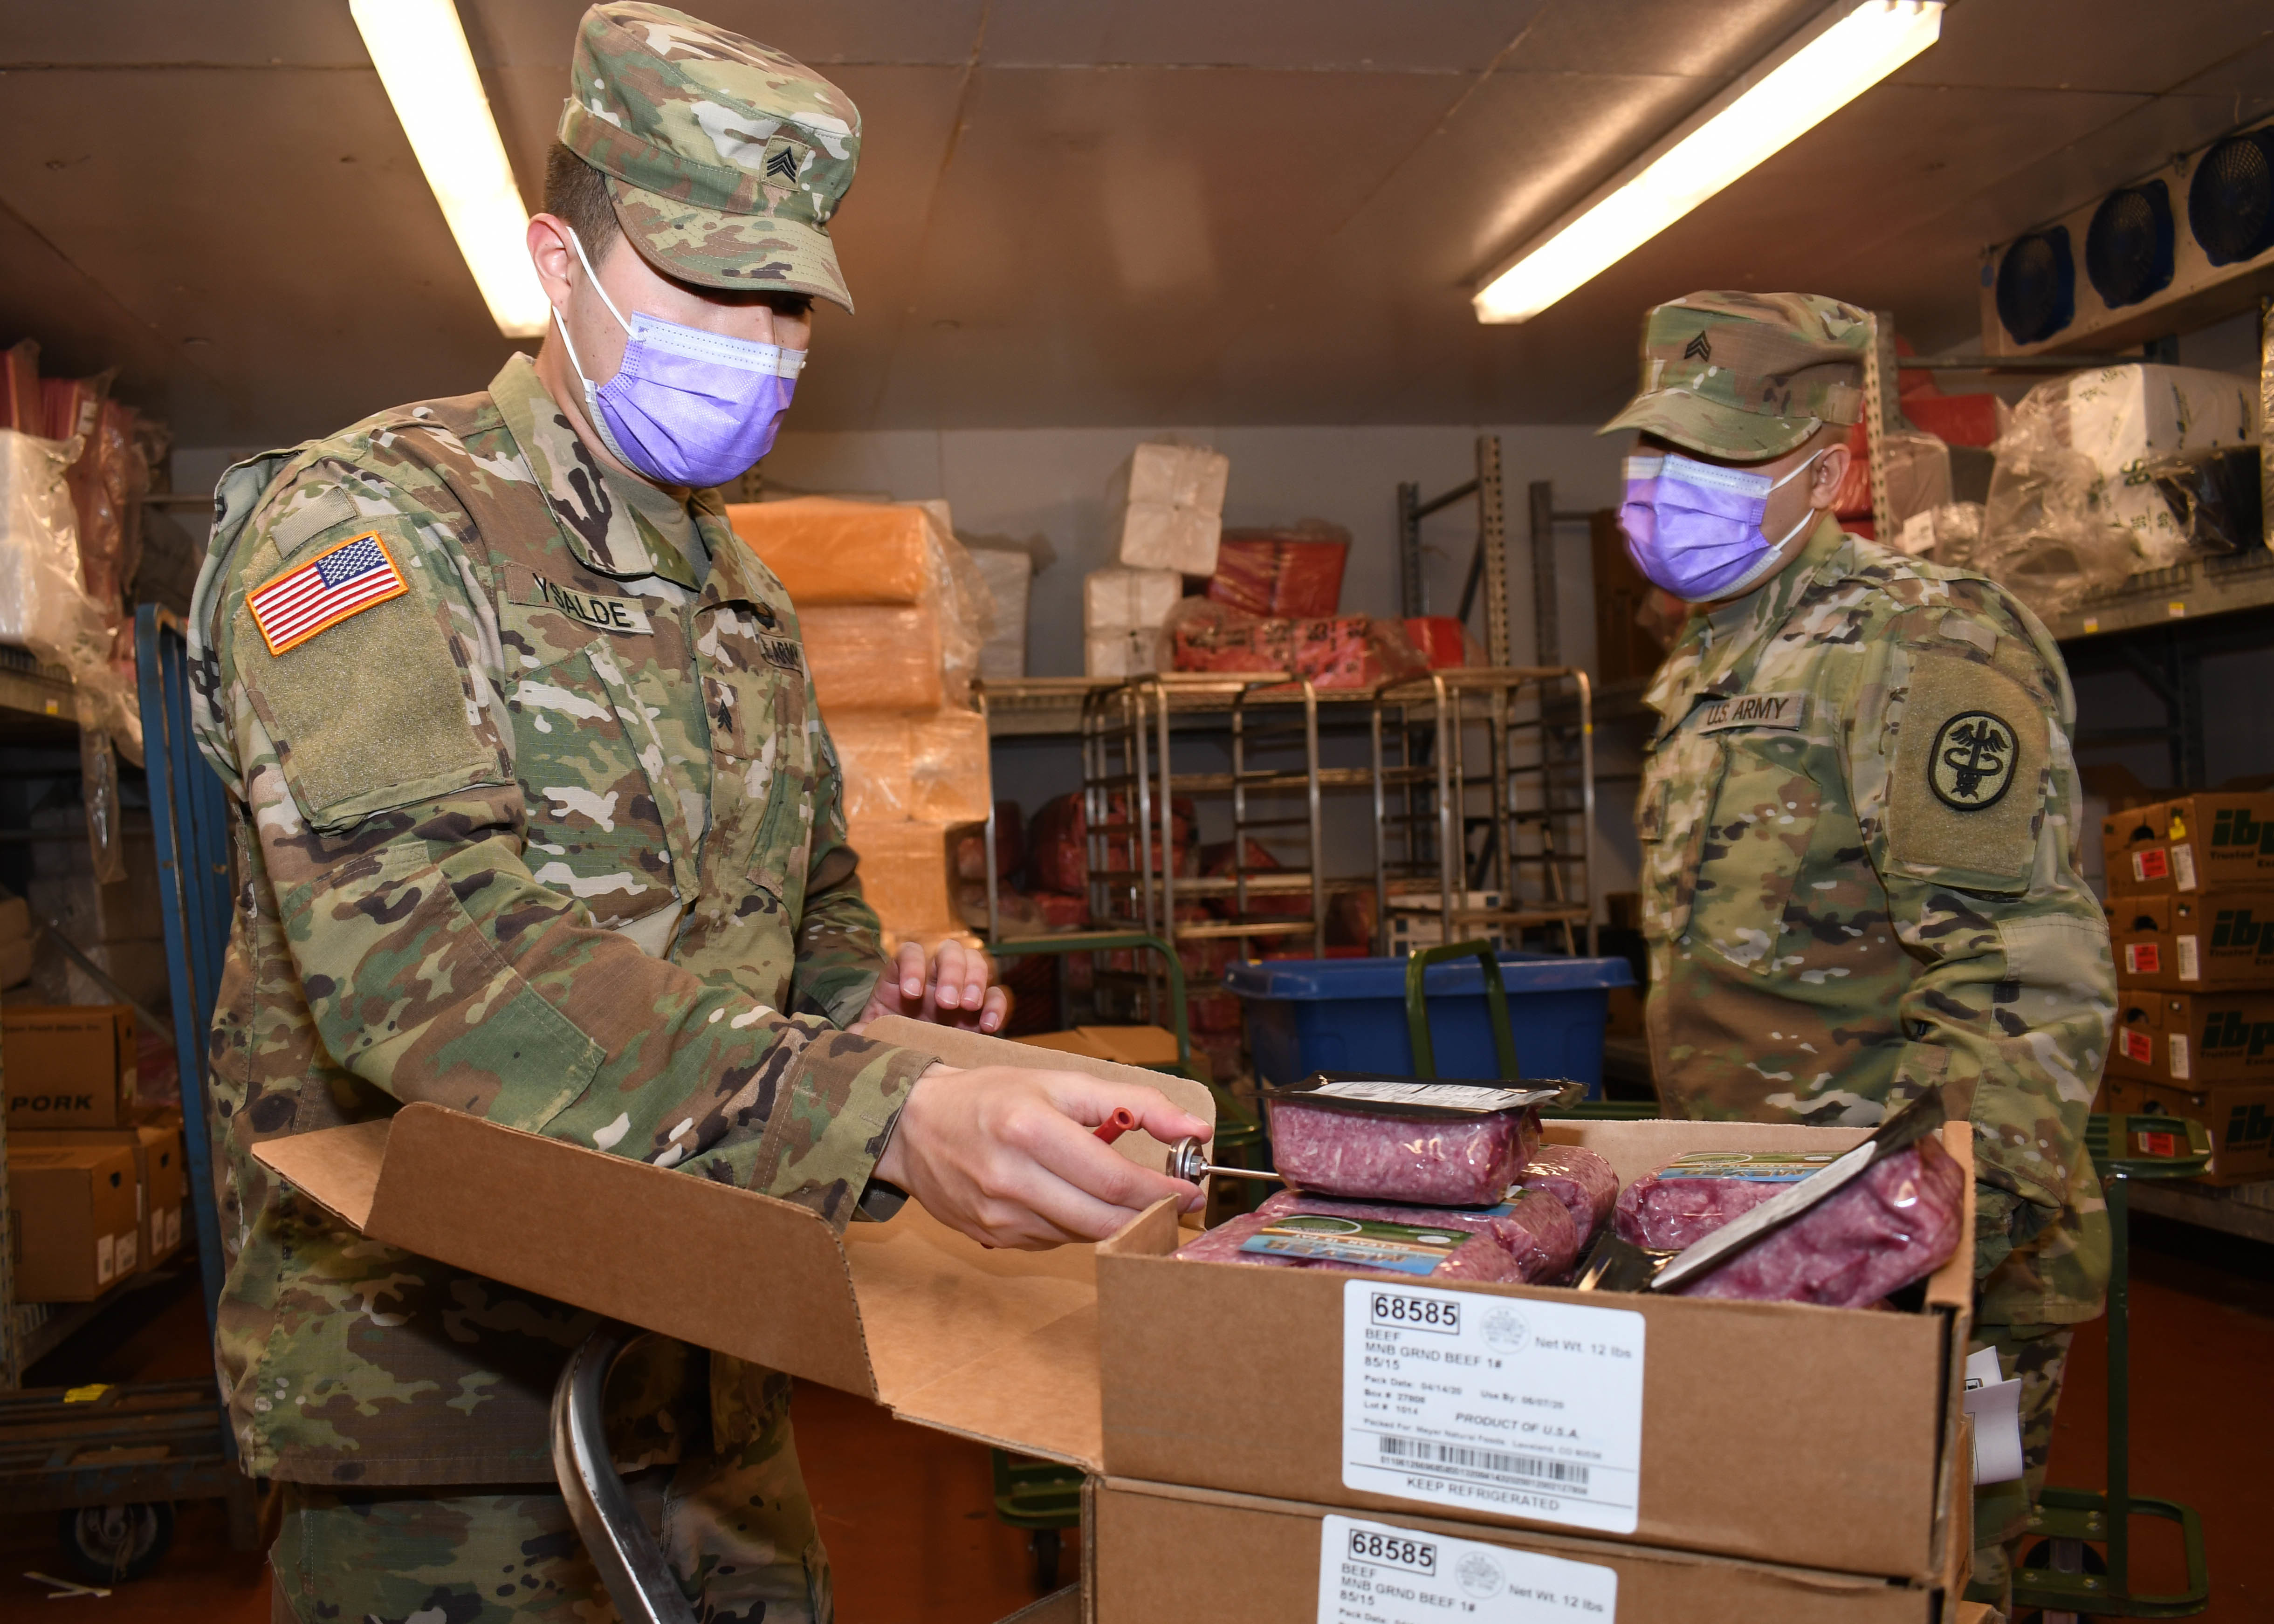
[1079, 212]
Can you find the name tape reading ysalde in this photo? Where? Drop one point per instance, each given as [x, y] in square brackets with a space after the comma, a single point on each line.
[1509, 1404]
[1371, 1573]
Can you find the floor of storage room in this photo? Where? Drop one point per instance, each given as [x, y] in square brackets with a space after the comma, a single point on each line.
[912, 1536]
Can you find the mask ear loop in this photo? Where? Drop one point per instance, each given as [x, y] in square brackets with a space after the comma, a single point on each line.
[592, 412]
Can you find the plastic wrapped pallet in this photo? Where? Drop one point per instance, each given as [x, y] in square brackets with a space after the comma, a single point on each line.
[874, 656]
[873, 750]
[2124, 418]
[1167, 507]
[43, 607]
[1009, 573]
[1295, 572]
[904, 876]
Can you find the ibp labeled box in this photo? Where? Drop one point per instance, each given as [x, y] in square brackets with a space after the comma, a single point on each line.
[2193, 1038]
[2208, 941]
[2192, 842]
[1640, 1417]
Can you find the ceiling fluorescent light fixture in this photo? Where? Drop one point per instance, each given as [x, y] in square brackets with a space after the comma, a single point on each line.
[1845, 51]
[420, 49]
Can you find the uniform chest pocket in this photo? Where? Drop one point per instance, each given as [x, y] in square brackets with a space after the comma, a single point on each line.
[1681, 775]
[1754, 841]
[762, 749]
[595, 831]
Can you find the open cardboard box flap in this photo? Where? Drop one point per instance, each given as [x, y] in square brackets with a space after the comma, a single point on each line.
[1000, 1346]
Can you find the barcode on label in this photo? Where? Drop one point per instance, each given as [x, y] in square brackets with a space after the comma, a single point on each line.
[1407, 1451]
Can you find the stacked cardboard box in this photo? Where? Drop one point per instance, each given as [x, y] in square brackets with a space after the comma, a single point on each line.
[1122, 612]
[890, 643]
[2191, 920]
[1165, 506]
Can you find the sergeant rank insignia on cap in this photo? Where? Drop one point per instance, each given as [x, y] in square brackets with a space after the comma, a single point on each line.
[341, 581]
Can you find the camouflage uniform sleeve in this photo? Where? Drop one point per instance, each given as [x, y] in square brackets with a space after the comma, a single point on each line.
[1966, 796]
[841, 946]
[375, 763]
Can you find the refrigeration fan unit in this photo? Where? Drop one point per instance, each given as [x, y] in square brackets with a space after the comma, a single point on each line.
[2146, 271]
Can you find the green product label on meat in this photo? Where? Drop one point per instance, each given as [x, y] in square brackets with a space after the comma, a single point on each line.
[1368, 1243]
[1754, 1167]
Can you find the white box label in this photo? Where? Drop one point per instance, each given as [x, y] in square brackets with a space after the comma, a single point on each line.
[173, 1226]
[2180, 1055]
[1370, 1573]
[128, 1249]
[2183, 865]
[105, 1259]
[2190, 961]
[1492, 1403]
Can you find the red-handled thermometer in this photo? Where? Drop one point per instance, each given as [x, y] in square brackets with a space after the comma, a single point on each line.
[1114, 1126]
[1187, 1161]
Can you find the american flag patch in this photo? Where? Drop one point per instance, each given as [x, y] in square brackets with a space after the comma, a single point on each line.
[343, 581]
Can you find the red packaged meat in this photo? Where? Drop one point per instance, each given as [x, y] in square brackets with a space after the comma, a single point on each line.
[1578, 1177]
[1895, 1223]
[1528, 1239]
[1438, 1144]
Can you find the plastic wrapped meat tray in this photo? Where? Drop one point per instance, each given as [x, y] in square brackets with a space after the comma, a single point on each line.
[1895, 1223]
[1435, 1161]
[1577, 1177]
[1528, 1239]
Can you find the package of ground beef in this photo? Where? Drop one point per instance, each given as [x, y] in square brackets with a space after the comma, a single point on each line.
[1579, 1178]
[1895, 1223]
[1433, 1143]
[1527, 1240]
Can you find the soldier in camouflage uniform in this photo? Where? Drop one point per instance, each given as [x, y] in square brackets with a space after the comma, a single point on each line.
[537, 818]
[1858, 816]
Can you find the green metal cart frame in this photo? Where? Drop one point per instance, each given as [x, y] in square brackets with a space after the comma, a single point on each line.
[2124, 1148]
[1425, 1053]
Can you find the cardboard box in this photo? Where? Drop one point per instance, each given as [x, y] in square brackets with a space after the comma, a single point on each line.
[932, 768]
[69, 1065]
[2193, 1038]
[997, 1345]
[903, 875]
[162, 1202]
[1156, 1552]
[75, 1229]
[1723, 1418]
[2210, 941]
[871, 657]
[1153, 1048]
[2239, 1118]
[2212, 841]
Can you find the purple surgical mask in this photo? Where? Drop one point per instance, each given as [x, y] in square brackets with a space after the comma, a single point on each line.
[1695, 527]
[687, 407]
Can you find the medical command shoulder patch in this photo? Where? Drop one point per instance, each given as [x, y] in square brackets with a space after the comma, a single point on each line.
[1971, 766]
[338, 582]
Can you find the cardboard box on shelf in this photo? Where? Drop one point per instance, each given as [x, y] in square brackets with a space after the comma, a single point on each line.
[1120, 600]
[930, 768]
[997, 1345]
[2239, 1118]
[874, 656]
[158, 1176]
[2193, 1038]
[1009, 573]
[1156, 1550]
[1663, 1390]
[75, 1230]
[2216, 840]
[68, 1066]
[827, 550]
[1151, 1047]
[1136, 653]
[2208, 941]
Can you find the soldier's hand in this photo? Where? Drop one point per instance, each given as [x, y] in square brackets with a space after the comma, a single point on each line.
[952, 990]
[1009, 1156]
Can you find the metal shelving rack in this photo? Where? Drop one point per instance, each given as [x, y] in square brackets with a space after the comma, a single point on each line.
[1534, 798]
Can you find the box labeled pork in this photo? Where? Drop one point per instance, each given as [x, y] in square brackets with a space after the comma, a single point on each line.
[1156, 1552]
[2208, 941]
[69, 1065]
[2193, 1037]
[1621, 1415]
[2239, 1118]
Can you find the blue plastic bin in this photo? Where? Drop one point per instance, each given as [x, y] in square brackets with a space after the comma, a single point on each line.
[1306, 1015]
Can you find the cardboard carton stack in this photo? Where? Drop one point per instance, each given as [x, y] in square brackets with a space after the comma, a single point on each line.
[2191, 920]
[1164, 510]
[892, 640]
[1122, 612]
[97, 1190]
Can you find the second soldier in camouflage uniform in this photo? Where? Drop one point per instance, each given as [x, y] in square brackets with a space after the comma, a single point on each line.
[1858, 816]
[537, 819]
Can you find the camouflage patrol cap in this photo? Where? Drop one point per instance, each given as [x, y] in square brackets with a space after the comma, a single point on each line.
[1747, 375]
[725, 158]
